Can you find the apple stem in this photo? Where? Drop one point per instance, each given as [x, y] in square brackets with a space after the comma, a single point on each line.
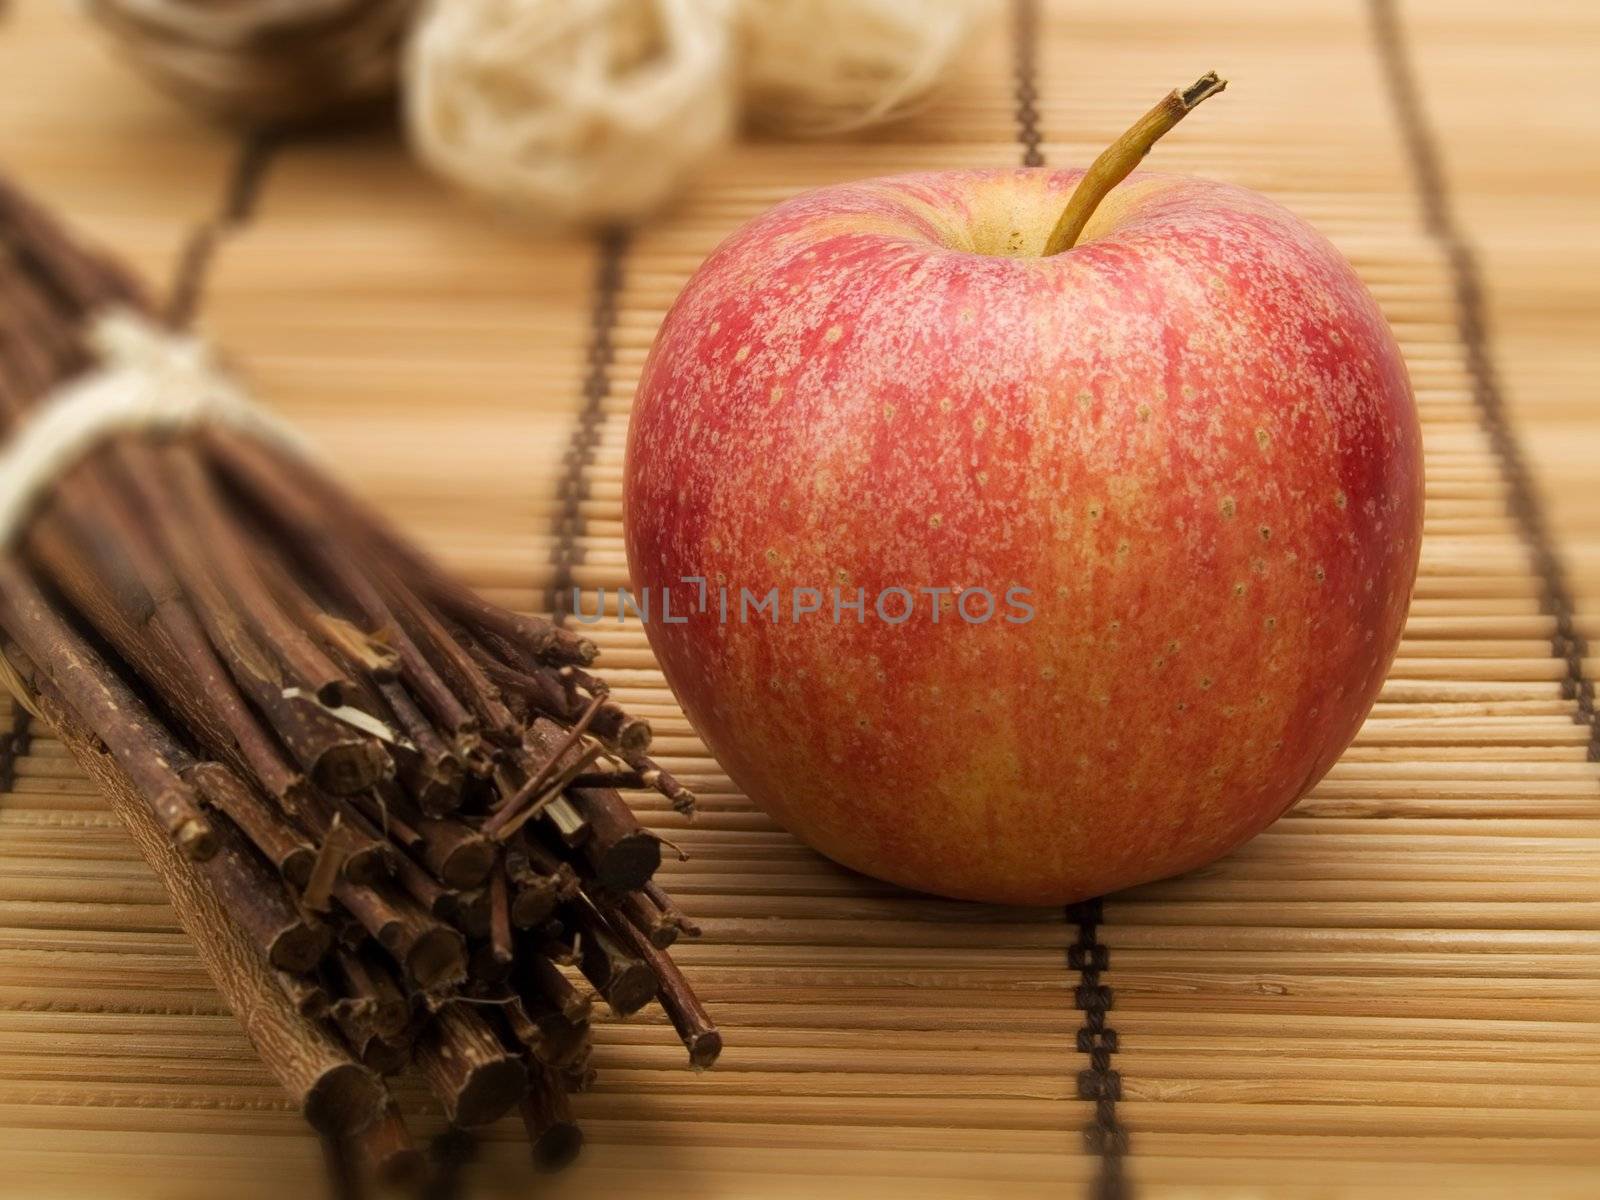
[1117, 160]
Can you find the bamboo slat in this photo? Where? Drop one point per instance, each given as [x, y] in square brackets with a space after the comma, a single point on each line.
[1390, 993]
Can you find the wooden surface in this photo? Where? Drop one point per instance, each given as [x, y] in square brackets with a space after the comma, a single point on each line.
[1391, 993]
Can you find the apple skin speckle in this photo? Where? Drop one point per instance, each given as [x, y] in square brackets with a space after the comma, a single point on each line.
[1195, 379]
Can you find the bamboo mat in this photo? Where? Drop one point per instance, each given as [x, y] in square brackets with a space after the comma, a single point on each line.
[1390, 993]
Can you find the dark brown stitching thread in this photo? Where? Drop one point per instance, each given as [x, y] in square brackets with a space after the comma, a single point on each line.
[1025, 19]
[573, 490]
[243, 189]
[1105, 1136]
[1555, 594]
[339, 1161]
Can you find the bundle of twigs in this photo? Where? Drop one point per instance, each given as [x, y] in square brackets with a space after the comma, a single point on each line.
[384, 808]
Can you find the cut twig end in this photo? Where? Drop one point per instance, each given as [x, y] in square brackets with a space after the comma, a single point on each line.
[345, 1100]
[557, 1147]
[704, 1049]
[196, 840]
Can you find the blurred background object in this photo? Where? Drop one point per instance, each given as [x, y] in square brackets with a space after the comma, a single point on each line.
[568, 112]
[263, 62]
[819, 67]
[571, 111]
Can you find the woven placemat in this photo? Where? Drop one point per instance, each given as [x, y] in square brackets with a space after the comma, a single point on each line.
[1390, 993]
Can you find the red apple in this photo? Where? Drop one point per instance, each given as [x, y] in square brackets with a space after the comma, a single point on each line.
[1190, 438]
